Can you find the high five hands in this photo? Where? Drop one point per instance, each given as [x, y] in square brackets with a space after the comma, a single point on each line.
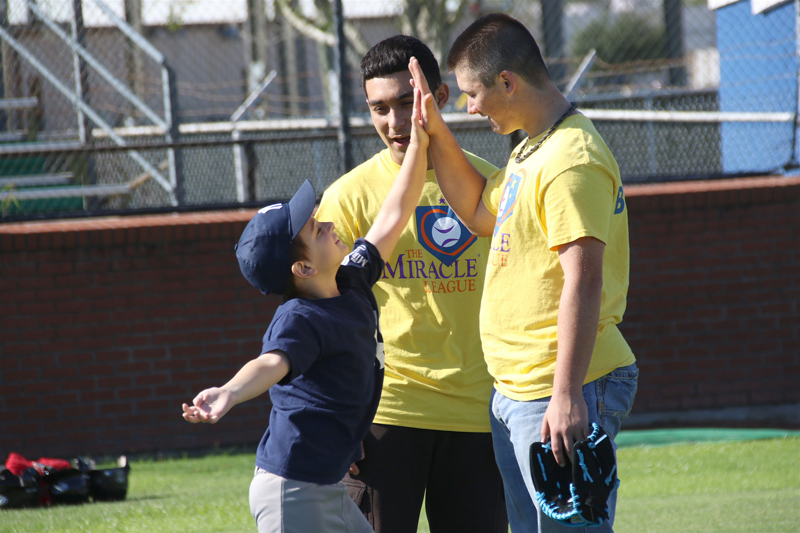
[430, 116]
[418, 134]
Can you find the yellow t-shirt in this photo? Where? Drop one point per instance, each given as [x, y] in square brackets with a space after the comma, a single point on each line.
[429, 298]
[569, 188]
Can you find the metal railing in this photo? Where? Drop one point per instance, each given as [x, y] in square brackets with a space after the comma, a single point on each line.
[167, 125]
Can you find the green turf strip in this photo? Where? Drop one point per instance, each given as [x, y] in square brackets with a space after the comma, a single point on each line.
[666, 437]
[745, 486]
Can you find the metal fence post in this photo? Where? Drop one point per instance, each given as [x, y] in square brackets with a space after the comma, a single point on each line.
[81, 74]
[3, 63]
[553, 29]
[345, 138]
[674, 30]
[174, 135]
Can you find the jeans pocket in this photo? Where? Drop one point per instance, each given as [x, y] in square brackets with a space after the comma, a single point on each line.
[615, 395]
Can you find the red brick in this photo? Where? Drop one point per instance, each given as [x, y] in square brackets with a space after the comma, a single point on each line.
[134, 367]
[57, 373]
[77, 384]
[115, 382]
[60, 399]
[44, 414]
[170, 365]
[75, 359]
[27, 428]
[21, 375]
[152, 379]
[96, 370]
[96, 423]
[112, 356]
[189, 377]
[22, 402]
[151, 405]
[115, 408]
[135, 394]
[175, 390]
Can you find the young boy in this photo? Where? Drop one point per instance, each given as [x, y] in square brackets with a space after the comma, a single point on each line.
[322, 357]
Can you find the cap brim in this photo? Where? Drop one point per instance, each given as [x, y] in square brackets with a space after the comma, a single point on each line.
[301, 207]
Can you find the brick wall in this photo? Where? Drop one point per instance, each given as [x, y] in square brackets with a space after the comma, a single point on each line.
[714, 299]
[108, 325]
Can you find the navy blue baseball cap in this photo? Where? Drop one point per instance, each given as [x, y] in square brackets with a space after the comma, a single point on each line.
[263, 249]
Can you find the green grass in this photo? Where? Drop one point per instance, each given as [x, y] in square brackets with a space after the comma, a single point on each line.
[707, 487]
[710, 487]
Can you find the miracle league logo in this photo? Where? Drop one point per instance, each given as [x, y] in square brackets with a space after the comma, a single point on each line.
[441, 233]
[446, 238]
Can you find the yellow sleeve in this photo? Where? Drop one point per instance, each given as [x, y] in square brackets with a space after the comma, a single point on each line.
[482, 165]
[493, 191]
[578, 203]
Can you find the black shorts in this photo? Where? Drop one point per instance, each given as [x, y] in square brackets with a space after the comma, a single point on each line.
[454, 472]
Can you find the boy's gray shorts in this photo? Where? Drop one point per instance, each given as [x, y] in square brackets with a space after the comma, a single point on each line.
[282, 505]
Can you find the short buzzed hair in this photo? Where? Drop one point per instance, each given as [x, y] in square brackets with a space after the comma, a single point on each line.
[393, 54]
[494, 43]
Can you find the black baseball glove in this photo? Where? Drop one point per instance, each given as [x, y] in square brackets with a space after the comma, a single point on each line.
[577, 493]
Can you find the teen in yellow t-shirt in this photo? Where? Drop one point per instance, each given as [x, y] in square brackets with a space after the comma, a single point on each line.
[429, 295]
[558, 271]
[568, 189]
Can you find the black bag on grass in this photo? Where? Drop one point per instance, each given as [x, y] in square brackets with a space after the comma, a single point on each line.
[19, 491]
[111, 483]
[69, 485]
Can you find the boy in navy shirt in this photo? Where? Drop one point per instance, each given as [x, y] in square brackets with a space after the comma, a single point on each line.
[322, 357]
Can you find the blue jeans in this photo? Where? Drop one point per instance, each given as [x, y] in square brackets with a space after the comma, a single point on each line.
[516, 425]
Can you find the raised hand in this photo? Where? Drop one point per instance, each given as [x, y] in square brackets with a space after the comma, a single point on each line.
[431, 114]
[419, 136]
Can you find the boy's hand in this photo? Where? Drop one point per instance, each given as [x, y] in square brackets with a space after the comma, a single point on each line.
[431, 114]
[419, 136]
[208, 406]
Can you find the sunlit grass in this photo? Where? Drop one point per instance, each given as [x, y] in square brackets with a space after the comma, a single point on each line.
[724, 487]
[709, 487]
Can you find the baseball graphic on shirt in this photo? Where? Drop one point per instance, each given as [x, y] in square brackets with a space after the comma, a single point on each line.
[446, 232]
[503, 203]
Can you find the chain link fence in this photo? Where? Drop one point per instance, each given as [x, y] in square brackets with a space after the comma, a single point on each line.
[112, 106]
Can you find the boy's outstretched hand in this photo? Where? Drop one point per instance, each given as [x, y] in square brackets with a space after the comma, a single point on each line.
[431, 115]
[208, 406]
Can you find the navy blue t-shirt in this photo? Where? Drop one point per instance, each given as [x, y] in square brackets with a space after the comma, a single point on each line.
[323, 408]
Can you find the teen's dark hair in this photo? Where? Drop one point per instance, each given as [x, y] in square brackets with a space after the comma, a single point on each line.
[297, 252]
[393, 54]
[494, 43]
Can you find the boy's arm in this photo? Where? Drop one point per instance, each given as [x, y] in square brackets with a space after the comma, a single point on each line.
[405, 192]
[461, 184]
[254, 379]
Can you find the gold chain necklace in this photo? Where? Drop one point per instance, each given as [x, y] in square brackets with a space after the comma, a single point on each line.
[520, 157]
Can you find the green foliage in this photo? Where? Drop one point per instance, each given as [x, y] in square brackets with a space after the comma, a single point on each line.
[9, 199]
[628, 37]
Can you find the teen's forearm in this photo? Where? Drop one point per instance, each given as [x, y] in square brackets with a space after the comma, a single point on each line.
[401, 201]
[460, 182]
[257, 376]
[578, 318]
